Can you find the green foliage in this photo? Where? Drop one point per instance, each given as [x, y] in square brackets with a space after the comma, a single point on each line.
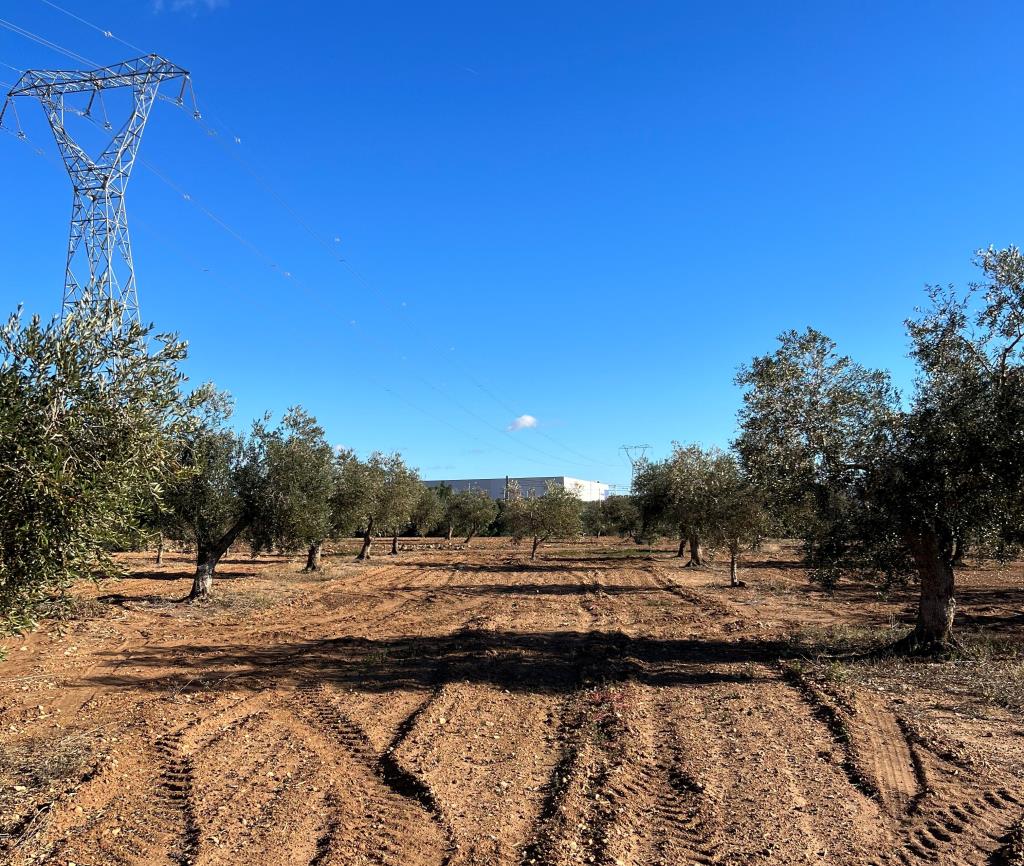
[222, 483]
[88, 416]
[813, 425]
[398, 496]
[616, 514]
[470, 512]
[734, 515]
[275, 483]
[877, 481]
[428, 511]
[699, 493]
[595, 521]
[377, 495]
[556, 514]
[652, 496]
[300, 477]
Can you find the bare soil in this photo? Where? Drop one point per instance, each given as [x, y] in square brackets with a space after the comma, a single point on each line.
[600, 705]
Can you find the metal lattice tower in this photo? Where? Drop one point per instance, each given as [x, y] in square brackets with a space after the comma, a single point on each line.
[99, 259]
[636, 455]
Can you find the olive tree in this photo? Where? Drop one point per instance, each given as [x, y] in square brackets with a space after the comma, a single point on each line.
[375, 496]
[88, 413]
[300, 478]
[652, 497]
[881, 479]
[622, 516]
[595, 519]
[272, 483]
[556, 514]
[735, 517]
[219, 495]
[399, 496]
[470, 512]
[673, 496]
[428, 511]
[691, 478]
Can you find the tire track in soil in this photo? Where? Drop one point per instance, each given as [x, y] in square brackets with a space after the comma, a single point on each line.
[880, 748]
[968, 833]
[567, 828]
[396, 804]
[657, 812]
[490, 743]
[150, 823]
[376, 746]
[747, 737]
[138, 827]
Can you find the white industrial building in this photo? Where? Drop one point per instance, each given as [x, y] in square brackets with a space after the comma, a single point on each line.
[497, 488]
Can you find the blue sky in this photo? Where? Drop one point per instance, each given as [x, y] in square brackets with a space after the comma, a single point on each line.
[586, 213]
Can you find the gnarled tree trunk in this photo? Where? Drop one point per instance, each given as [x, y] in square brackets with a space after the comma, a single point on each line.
[932, 549]
[208, 555]
[696, 554]
[367, 542]
[470, 537]
[394, 544]
[536, 544]
[682, 545]
[159, 548]
[313, 557]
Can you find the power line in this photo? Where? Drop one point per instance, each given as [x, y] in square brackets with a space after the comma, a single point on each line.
[305, 225]
[590, 462]
[106, 33]
[46, 43]
[248, 298]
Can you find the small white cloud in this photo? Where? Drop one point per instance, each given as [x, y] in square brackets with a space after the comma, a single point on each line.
[192, 6]
[523, 422]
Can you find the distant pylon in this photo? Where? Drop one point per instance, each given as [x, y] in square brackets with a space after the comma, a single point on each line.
[635, 455]
[99, 256]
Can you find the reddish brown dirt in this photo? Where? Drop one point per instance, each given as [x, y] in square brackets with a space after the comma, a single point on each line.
[600, 705]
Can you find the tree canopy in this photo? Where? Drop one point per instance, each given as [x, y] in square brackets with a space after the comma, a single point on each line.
[88, 417]
[880, 482]
[556, 514]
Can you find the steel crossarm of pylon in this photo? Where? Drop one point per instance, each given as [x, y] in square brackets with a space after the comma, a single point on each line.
[98, 244]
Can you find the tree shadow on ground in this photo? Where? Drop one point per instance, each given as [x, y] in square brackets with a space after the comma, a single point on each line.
[531, 589]
[227, 574]
[549, 662]
[516, 566]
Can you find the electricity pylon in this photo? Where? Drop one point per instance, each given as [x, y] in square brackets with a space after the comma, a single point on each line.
[635, 454]
[99, 258]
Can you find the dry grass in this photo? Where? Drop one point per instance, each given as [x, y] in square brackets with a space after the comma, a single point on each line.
[35, 772]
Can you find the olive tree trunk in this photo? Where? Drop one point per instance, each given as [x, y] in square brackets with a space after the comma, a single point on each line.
[696, 554]
[682, 545]
[932, 550]
[536, 544]
[208, 555]
[470, 537]
[451, 531]
[159, 548]
[364, 553]
[733, 579]
[313, 557]
[394, 544]
[959, 550]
